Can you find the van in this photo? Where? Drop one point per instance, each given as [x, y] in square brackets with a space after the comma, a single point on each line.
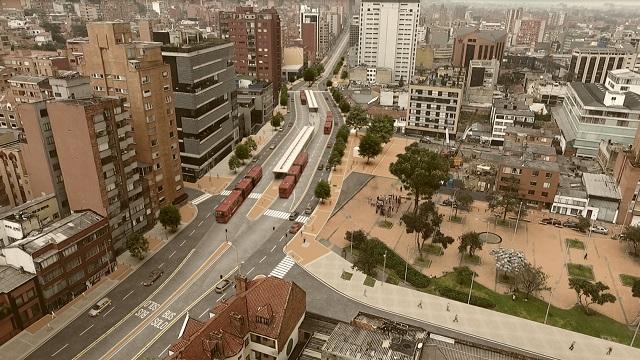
[99, 307]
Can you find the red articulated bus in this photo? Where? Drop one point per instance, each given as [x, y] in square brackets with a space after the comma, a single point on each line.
[295, 171]
[328, 125]
[255, 174]
[301, 160]
[228, 206]
[286, 186]
[245, 186]
[303, 97]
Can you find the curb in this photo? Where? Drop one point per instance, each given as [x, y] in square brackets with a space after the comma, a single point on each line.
[84, 309]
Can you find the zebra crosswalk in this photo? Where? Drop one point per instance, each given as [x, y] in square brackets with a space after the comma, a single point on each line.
[277, 214]
[283, 267]
[251, 196]
[302, 219]
[225, 192]
[201, 198]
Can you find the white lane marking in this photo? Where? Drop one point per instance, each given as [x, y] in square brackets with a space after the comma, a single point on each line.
[302, 219]
[200, 223]
[173, 253]
[85, 330]
[192, 231]
[254, 195]
[281, 238]
[161, 265]
[220, 298]
[225, 192]
[249, 272]
[206, 311]
[126, 296]
[62, 348]
[261, 260]
[201, 198]
[283, 267]
[164, 351]
[277, 214]
[182, 243]
[273, 248]
[208, 214]
[110, 310]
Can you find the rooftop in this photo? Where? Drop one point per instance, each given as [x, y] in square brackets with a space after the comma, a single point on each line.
[13, 212]
[59, 231]
[506, 107]
[28, 79]
[11, 278]
[601, 185]
[439, 347]
[593, 95]
[624, 74]
[489, 35]
[532, 164]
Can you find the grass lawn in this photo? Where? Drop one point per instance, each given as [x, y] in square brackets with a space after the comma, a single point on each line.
[385, 224]
[471, 259]
[346, 275]
[574, 319]
[575, 243]
[502, 222]
[580, 271]
[422, 263]
[433, 249]
[456, 219]
[628, 280]
[369, 281]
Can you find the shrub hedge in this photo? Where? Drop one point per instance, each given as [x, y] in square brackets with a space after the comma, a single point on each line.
[461, 296]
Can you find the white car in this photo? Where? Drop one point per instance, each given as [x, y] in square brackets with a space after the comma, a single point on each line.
[99, 307]
[599, 230]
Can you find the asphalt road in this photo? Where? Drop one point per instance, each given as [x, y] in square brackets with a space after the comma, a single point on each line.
[141, 316]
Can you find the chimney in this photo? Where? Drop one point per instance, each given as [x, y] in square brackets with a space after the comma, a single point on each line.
[238, 323]
[241, 284]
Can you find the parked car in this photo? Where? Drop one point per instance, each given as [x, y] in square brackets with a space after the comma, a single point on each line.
[293, 215]
[570, 224]
[449, 202]
[308, 210]
[327, 167]
[295, 227]
[272, 146]
[329, 145]
[99, 307]
[426, 140]
[599, 229]
[618, 237]
[155, 275]
[320, 166]
[550, 221]
[222, 286]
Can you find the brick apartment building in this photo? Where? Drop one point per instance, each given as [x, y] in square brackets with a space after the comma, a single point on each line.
[67, 256]
[20, 305]
[257, 43]
[536, 181]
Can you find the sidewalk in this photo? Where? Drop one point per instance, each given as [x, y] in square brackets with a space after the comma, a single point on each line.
[21, 345]
[220, 176]
[473, 321]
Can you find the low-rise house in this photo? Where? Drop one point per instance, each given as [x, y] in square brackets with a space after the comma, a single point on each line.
[20, 304]
[536, 181]
[506, 113]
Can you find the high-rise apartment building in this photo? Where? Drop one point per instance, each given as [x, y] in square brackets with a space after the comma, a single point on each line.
[135, 71]
[528, 32]
[388, 36]
[310, 32]
[591, 65]
[354, 31]
[204, 84]
[513, 15]
[434, 109]
[474, 44]
[257, 43]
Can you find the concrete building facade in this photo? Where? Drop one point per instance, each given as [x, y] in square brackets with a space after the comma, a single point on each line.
[536, 182]
[434, 110]
[591, 65]
[474, 44]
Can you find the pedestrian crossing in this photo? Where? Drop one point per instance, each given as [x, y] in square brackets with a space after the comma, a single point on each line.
[277, 214]
[251, 196]
[283, 267]
[302, 219]
[225, 192]
[201, 198]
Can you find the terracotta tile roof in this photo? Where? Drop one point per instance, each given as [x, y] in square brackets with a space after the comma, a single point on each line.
[270, 307]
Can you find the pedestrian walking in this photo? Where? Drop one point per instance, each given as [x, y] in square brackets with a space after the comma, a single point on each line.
[573, 344]
[365, 292]
[455, 319]
[585, 256]
[448, 307]
[609, 351]
[48, 326]
[420, 304]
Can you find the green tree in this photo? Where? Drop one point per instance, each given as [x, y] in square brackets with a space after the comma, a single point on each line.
[284, 96]
[443, 240]
[531, 279]
[357, 118]
[382, 126]
[329, 83]
[242, 152]
[357, 237]
[251, 144]
[276, 120]
[337, 95]
[309, 75]
[635, 289]
[631, 236]
[334, 158]
[505, 201]
[344, 75]
[170, 217]
[425, 223]
[234, 163]
[583, 223]
[322, 191]
[463, 201]
[370, 146]
[138, 245]
[368, 257]
[344, 106]
[590, 293]
[463, 275]
[469, 243]
[420, 170]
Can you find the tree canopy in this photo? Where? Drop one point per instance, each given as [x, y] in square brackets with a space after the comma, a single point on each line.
[357, 118]
[505, 201]
[234, 163]
[309, 75]
[370, 146]
[276, 120]
[382, 126]
[170, 217]
[344, 105]
[138, 245]
[284, 96]
[425, 223]
[590, 293]
[251, 144]
[242, 152]
[469, 243]
[420, 170]
[531, 279]
[631, 236]
[323, 190]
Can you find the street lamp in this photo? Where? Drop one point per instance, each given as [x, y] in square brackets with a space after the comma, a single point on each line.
[237, 257]
[546, 314]
[226, 238]
[384, 266]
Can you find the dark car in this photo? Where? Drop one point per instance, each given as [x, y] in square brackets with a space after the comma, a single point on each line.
[295, 227]
[320, 166]
[293, 215]
[570, 224]
[327, 167]
[449, 202]
[155, 275]
[222, 286]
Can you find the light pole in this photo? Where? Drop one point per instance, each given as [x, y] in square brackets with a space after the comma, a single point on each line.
[473, 276]
[634, 334]
[406, 263]
[384, 267]
[351, 238]
[546, 314]
[515, 229]
[237, 257]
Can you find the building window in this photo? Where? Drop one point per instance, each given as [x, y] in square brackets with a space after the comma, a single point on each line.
[547, 175]
[546, 185]
[531, 192]
[535, 173]
[545, 194]
[533, 183]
